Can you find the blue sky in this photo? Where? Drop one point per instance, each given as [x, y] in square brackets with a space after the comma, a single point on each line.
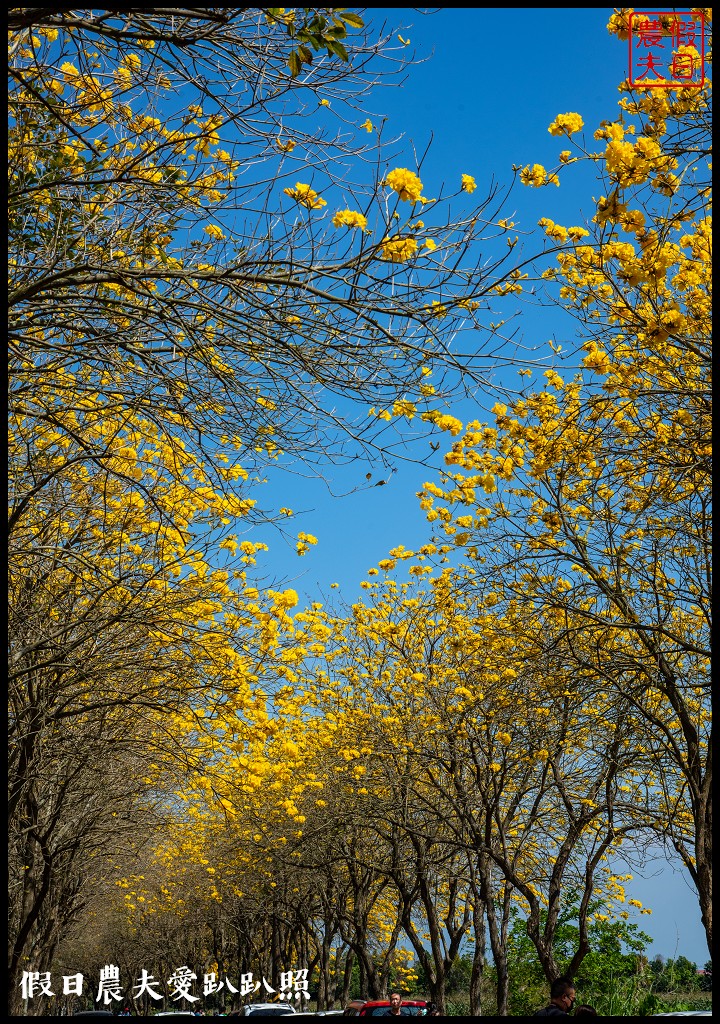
[488, 84]
[485, 87]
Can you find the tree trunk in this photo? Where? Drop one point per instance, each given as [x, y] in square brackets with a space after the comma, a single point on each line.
[478, 955]
[347, 977]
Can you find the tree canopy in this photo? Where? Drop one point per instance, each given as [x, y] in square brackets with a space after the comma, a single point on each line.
[209, 275]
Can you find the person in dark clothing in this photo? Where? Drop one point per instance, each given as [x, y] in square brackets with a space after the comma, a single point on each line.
[393, 1009]
[584, 1010]
[562, 999]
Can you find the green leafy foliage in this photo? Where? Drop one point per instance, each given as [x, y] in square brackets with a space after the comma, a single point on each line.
[675, 975]
[616, 957]
[312, 29]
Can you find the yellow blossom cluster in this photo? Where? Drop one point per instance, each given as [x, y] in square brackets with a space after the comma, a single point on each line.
[306, 196]
[566, 124]
[536, 176]
[398, 249]
[351, 219]
[631, 164]
[437, 309]
[559, 233]
[407, 184]
[304, 541]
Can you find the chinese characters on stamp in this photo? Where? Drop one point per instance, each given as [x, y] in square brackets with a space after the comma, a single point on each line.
[667, 49]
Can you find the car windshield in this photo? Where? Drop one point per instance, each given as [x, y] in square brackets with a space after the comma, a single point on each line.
[405, 1011]
[272, 1011]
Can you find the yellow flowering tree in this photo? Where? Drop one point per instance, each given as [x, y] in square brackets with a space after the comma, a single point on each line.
[590, 498]
[125, 630]
[128, 166]
[474, 743]
[427, 768]
[481, 756]
[164, 348]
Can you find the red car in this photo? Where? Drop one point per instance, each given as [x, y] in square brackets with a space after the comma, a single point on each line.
[379, 1008]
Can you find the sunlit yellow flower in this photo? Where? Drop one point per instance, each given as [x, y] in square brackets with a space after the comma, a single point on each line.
[534, 176]
[403, 407]
[305, 196]
[596, 359]
[350, 218]
[566, 124]
[555, 231]
[407, 185]
[398, 249]
[619, 24]
[132, 61]
[303, 544]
